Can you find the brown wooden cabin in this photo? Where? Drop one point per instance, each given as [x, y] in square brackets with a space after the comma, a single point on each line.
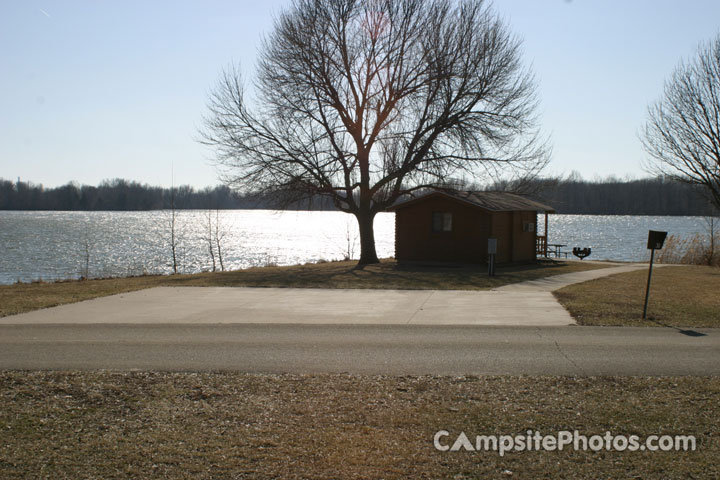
[454, 227]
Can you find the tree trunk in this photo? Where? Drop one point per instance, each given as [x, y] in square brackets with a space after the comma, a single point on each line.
[367, 238]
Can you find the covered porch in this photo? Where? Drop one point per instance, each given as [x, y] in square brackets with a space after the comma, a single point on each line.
[543, 247]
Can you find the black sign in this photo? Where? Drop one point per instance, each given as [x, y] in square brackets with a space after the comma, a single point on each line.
[656, 240]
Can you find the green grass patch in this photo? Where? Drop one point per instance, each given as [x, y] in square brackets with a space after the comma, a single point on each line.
[680, 296]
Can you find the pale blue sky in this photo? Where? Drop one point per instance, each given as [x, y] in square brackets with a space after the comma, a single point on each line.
[91, 90]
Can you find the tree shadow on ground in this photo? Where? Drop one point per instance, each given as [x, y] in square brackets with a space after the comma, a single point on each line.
[386, 274]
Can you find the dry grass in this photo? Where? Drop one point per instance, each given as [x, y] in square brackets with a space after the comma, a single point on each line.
[694, 250]
[25, 297]
[680, 296]
[224, 425]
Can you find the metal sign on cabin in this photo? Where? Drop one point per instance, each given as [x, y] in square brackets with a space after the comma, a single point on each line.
[492, 246]
[656, 240]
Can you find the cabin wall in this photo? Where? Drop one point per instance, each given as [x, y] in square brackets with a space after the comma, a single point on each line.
[466, 242]
[502, 229]
[523, 239]
[415, 239]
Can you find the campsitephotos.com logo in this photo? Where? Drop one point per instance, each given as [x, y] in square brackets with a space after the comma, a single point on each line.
[562, 440]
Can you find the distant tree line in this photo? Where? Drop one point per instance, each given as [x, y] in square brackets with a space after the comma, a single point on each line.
[573, 195]
[119, 194]
[650, 196]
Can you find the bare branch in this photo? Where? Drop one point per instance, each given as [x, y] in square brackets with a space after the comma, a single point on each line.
[682, 133]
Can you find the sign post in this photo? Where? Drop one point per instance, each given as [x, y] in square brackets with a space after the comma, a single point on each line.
[492, 250]
[655, 242]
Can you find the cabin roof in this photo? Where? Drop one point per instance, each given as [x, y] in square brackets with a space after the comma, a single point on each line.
[492, 201]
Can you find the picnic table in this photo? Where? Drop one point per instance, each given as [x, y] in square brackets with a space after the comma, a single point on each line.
[555, 249]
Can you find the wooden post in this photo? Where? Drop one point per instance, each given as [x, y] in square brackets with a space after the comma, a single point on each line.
[492, 250]
[546, 233]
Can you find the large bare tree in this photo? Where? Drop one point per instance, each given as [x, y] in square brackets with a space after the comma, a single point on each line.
[682, 134]
[367, 101]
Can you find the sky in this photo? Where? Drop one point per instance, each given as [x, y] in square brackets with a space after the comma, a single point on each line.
[95, 90]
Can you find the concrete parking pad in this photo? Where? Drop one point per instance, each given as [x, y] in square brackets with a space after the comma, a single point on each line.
[226, 305]
[522, 304]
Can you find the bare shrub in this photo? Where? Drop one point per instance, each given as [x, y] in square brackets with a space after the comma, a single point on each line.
[694, 250]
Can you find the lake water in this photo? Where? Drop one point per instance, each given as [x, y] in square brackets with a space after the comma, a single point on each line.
[60, 245]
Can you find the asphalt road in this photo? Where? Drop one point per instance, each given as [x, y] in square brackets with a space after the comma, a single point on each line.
[363, 349]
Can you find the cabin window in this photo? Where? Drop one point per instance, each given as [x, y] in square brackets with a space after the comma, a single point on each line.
[441, 222]
[528, 227]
